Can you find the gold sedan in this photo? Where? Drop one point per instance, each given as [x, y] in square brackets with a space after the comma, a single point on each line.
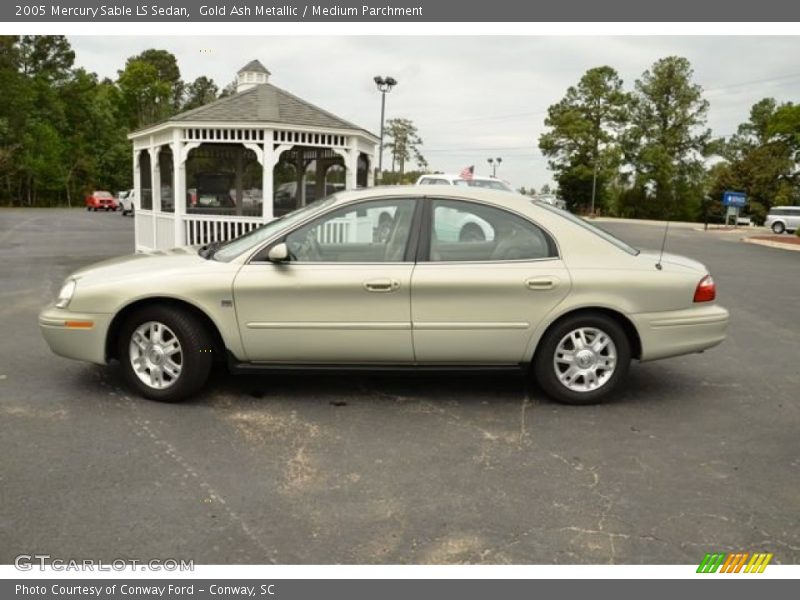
[431, 277]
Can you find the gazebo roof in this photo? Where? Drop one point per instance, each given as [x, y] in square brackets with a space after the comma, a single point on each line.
[266, 103]
[255, 66]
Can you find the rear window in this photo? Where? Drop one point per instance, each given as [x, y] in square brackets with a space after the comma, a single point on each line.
[785, 211]
[102, 195]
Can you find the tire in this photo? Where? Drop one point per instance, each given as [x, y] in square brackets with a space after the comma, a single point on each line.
[193, 358]
[88, 208]
[471, 233]
[778, 227]
[557, 343]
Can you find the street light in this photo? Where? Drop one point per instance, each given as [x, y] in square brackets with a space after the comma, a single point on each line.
[494, 162]
[385, 85]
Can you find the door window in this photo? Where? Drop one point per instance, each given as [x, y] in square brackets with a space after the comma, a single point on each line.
[373, 231]
[467, 231]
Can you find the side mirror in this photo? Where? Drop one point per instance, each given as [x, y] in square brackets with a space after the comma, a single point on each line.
[278, 253]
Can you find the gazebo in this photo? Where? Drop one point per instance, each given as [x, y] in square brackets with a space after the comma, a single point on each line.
[220, 170]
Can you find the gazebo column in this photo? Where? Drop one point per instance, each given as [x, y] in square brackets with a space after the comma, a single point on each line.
[350, 157]
[370, 171]
[179, 188]
[155, 191]
[321, 169]
[351, 175]
[271, 157]
[239, 180]
[268, 160]
[300, 166]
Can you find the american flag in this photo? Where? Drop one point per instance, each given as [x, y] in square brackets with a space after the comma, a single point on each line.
[467, 172]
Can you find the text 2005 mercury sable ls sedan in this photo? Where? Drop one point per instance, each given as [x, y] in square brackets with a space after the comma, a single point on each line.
[385, 278]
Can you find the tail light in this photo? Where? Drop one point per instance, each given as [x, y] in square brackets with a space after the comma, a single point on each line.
[706, 290]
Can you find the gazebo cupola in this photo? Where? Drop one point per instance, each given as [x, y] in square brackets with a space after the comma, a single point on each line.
[253, 73]
[215, 172]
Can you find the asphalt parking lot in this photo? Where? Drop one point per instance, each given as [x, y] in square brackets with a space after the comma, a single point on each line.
[700, 453]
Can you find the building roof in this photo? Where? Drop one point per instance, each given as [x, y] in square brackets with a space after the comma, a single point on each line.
[266, 102]
[254, 65]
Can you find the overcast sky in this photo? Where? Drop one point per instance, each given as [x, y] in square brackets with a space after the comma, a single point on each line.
[471, 97]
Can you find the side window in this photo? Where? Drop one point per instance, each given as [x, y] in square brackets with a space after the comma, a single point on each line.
[372, 231]
[467, 231]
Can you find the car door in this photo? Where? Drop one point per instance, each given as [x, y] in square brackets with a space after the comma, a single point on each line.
[486, 277]
[343, 296]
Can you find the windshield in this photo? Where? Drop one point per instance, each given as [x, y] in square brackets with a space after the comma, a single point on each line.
[589, 226]
[492, 184]
[234, 248]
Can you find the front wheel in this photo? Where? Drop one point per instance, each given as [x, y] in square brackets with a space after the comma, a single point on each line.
[778, 227]
[165, 353]
[582, 359]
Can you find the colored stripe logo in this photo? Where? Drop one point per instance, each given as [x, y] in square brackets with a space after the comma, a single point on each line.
[734, 562]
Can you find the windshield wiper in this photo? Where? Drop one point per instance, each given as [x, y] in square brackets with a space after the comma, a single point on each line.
[208, 250]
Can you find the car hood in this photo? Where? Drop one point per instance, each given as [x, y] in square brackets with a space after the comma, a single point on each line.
[144, 264]
[672, 259]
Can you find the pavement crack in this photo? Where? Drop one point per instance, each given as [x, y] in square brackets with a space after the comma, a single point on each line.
[172, 452]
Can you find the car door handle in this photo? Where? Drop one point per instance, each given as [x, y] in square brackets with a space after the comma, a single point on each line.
[382, 285]
[541, 283]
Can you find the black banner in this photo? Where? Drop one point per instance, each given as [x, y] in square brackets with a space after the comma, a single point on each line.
[434, 589]
[398, 11]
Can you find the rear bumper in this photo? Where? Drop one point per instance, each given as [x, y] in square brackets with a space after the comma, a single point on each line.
[672, 333]
[80, 336]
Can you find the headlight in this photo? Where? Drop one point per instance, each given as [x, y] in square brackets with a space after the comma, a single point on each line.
[65, 295]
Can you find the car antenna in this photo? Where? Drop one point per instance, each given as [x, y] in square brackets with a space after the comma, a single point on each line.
[663, 242]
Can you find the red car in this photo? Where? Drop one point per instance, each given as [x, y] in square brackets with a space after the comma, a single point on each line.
[100, 200]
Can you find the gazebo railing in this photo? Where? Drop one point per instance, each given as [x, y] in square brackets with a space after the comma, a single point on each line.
[204, 229]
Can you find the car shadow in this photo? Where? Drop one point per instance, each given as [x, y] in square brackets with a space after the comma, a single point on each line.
[649, 382]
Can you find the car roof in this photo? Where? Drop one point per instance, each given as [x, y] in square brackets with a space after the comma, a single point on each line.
[491, 196]
[458, 177]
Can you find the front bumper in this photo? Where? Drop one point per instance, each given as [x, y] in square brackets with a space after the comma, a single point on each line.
[676, 332]
[80, 336]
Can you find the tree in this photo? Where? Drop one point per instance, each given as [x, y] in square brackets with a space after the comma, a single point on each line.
[49, 57]
[404, 143]
[201, 91]
[145, 98]
[785, 125]
[667, 141]
[759, 160]
[151, 86]
[166, 66]
[582, 145]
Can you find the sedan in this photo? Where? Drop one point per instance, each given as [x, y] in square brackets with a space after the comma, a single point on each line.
[330, 286]
[101, 200]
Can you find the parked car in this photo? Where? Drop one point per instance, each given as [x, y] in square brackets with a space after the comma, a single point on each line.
[551, 199]
[549, 292]
[101, 200]
[783, 218]
[126, 201]
[478, 181]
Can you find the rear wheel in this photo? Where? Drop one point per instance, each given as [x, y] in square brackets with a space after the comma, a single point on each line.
[166, 353]
[778, 227]
[582, 359]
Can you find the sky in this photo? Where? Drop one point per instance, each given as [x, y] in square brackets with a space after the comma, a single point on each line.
[472, 97]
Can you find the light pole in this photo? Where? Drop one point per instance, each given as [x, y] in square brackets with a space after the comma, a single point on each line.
[494, 162]
[385, 85]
